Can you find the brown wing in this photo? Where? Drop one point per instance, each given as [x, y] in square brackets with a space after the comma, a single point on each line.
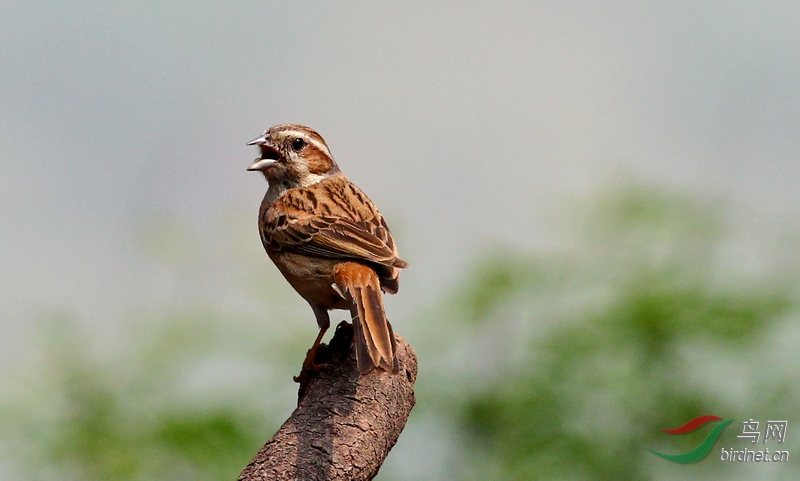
[332, 218]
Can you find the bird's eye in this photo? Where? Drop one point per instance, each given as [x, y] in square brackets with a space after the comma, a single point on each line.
[298, 144]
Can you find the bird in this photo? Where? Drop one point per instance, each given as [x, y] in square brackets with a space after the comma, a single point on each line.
[328, 240]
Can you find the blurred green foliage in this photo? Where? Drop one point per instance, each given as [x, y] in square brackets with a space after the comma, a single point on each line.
[621, 316]
[562, 365]
[85, 417]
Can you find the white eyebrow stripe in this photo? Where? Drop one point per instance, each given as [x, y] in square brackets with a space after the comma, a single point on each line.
[321, 146]
[309, 139]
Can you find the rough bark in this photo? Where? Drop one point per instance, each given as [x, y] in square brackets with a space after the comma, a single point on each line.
[345, 424]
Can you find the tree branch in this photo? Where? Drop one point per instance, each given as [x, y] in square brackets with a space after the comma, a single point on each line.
[345, 424]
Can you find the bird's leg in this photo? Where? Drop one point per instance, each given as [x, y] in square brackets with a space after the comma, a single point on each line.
[324, 322]
[309, 362]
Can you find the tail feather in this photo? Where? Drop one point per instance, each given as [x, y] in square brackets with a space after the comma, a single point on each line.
[374, 339]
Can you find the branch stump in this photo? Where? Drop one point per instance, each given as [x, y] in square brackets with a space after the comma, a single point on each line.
[344, 424]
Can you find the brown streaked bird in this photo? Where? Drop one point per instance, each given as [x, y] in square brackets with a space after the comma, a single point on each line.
[328, 240]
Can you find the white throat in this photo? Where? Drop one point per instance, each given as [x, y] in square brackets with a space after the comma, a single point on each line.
[277, 189]
[311, 179]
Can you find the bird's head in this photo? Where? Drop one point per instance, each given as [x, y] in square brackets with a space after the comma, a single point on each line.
[293, 155]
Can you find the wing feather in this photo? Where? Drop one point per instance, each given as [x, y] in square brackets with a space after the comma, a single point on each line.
[348, 233]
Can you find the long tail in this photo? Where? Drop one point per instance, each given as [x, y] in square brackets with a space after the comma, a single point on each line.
[374, 339]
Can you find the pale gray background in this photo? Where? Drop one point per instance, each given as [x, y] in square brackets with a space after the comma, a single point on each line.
[471, 126]
[465, 123]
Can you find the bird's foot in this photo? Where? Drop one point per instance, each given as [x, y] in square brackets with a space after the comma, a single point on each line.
[309, 369]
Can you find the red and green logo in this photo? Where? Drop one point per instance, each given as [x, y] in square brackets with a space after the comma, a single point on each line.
[702, 450]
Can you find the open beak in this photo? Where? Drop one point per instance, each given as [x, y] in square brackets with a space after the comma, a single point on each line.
[261, 164]
[259, 141]
[269, 155]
